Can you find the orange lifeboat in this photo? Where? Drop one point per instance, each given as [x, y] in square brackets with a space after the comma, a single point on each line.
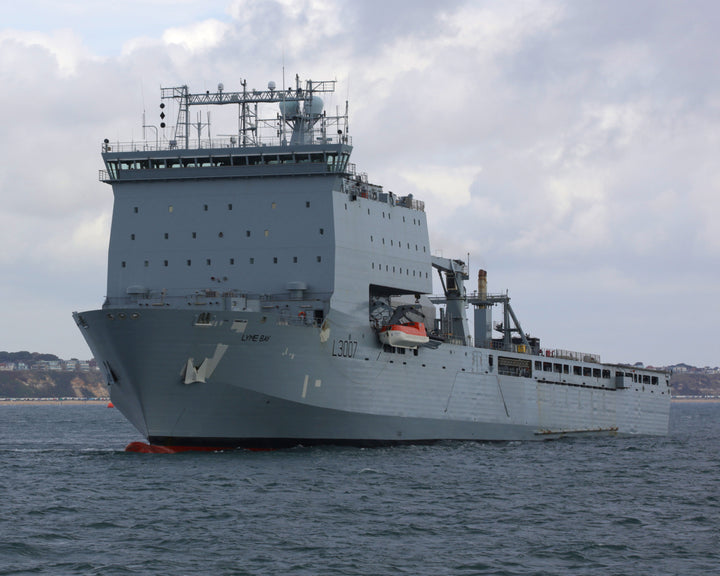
[409, 335]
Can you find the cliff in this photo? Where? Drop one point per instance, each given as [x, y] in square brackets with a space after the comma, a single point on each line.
[38, 384]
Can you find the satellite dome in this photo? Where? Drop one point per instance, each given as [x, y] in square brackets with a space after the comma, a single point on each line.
[315, 106]
[289, 108]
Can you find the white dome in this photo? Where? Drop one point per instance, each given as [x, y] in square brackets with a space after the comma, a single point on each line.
[289, 108]
[316, 106]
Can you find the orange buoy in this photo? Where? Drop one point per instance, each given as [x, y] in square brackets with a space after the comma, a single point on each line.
[111, 405]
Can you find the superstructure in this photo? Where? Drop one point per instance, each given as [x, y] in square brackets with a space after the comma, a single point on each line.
[262, 292]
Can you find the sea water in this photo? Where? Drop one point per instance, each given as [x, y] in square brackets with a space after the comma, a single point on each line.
[73, 502]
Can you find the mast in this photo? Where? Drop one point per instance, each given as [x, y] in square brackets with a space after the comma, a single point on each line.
[301, 110]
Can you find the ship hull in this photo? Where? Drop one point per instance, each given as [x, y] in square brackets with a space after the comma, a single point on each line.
[255, 380]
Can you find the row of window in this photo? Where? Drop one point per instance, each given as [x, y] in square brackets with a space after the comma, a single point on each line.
[586, 371]
[208, 261]
[248, 233]
[392, 269]
[206, 207]
[416, 221]
[335, 162]
[398, 243]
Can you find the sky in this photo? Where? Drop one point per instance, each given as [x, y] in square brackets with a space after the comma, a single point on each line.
[569, 147]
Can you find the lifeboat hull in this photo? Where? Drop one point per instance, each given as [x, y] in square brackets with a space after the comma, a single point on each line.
[404, 335]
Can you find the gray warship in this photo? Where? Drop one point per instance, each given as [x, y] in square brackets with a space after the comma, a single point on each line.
[263, 293]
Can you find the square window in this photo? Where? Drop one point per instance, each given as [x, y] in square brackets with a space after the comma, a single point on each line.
[252, 260]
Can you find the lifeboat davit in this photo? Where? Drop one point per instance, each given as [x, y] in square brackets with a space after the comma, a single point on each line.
[409, 335]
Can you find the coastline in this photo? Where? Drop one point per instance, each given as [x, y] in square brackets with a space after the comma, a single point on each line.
[105, 401]
[691, 399]
[54, 401]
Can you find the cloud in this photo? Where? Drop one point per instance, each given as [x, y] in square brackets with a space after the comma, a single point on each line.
[570, 147]
[199, 37]
[64, 45]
